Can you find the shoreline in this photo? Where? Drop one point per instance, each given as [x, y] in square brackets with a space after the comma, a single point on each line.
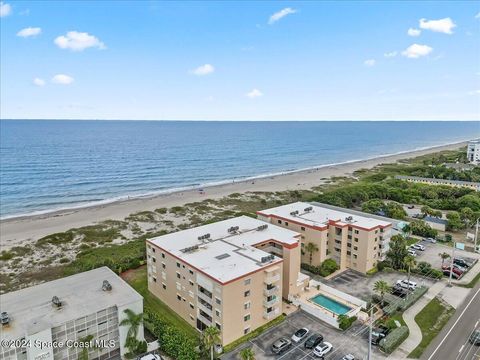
[16, 230]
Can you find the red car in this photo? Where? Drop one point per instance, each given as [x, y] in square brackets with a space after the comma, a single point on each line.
[456, 271]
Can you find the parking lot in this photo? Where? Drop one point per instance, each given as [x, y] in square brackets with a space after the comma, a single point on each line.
[431, 252]
[353, 341]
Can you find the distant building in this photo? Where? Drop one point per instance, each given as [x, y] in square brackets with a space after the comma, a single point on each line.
[431, 181]
[473, 151]
[230, 274]
[67, 311]
[460, 166]
[354, 241]
[436, 223]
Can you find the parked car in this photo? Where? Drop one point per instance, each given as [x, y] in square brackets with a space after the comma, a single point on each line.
[399, 291]
[348, 357]
[461, 268]
[411, 206]
[410, 285]
[447, 273]
[418, 247]
[455, 270]
[461, 262]
[322, 349]
[299, 335]
[281, 345]
[379, 333]
[475, 338]
[412, 252]
[313, 341]
[431, 240]
[151, 356]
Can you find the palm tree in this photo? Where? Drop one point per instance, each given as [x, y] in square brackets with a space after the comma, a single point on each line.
[211, 337]
[311, 248]
[409, 262]
[381, 287]
[444, 257]
[133, 321]
[85, 349]
[247, 354]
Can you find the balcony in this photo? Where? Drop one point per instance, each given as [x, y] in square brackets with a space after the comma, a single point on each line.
[271, 291]
[271, 314]
[204, 308]
[204, 297]
[204, 320]
[273, 278]
[270, 303]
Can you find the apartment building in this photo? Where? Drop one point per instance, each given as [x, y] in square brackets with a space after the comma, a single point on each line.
[473, 152]
[230, 274]
[46, 321]
[353, 241]
[432, 181]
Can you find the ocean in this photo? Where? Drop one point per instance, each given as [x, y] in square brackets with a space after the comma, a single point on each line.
[49, 165]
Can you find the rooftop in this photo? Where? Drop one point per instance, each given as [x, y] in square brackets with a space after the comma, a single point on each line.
[318, 216]
[225, 250]
[439, 181]
[436, 220]
[31, 309]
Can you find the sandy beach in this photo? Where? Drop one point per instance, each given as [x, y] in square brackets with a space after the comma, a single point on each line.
[25, 229]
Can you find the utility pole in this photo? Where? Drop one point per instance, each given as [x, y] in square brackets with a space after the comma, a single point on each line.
[370, 334]
[451, 265]
[476, 237]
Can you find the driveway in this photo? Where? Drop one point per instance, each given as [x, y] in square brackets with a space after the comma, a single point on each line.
[354, 340]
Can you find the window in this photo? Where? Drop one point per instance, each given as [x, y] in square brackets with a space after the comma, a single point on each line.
[154, 259]
[191, 306]
[356, 231]
[219, 327]
[246, 330]
[354, 256]
[218, 301]
[163, 265]
[164, 286]
[178, 275]
[349, 245]
[179, 298]
[154, 279]
[178, 265]
[349, 228]
[191, 272]
[218, 313]
[356, 239]
[153, 249]
[246, 317]
[349, 237]
[247, 305]
[191, 282]
[246, 293]
[286, 223]
[192, 318]
[338, 242]
[279, 221]
[247, 281]
[355, 248]
[303, 228]
[349, 253]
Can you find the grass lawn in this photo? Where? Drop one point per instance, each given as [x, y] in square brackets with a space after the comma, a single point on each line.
[431, 320]
[472, 283]
[398, 316]
[137, 278]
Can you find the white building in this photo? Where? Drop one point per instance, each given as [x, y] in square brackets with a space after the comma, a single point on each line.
[473, 152]
[89, 303]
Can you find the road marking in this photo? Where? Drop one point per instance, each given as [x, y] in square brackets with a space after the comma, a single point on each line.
[455, 323]
[461, 348]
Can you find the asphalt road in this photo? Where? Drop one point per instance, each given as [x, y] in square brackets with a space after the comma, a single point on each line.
[452, 343]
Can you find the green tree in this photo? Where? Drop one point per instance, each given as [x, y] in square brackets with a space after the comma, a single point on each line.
[210, 338]
[454, 222]
[398, 251]
[133, 321]
[247, 354]
[467, 216]
[444, 256]
[426, 210]
[381, 287]
[409, 262]
[84, 353]
[310, 248]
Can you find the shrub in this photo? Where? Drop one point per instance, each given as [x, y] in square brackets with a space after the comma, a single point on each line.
[328, 267]
[344, 322]
[161, 210]
[404, 304]
[381, 265]
[372, 271]
[394, 339]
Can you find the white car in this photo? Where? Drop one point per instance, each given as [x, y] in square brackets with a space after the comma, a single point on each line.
[432, 240]
[151, 357]
[418, 247]
[323, 349]
[411, 285]
[412, 252]
[299, 335]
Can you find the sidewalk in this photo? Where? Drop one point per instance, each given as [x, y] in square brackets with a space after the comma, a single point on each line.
[415, 336]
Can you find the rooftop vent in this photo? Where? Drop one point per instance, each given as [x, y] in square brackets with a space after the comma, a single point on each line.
[267, 258]
[262, 227]
[233, 229]
[189, 249]
[308, 209]
[106, 286]
[222, 256]
[349, 218]
[56, 301]
[294, 213]
[204, 237]
[4, 318]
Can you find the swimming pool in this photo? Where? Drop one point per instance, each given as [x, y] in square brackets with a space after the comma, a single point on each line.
[330, 304]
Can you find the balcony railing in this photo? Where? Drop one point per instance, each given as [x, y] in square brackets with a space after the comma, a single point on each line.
[204, 297]
[271, 291]
[204, 308]
[269, 303]
[271, 279]
[271, 314]
[204, 319]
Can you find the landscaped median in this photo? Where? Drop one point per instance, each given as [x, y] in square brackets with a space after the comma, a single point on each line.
[431, 319]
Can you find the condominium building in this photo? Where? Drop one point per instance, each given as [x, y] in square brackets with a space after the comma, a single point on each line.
[353, 241]
[473, 152]
[230, 274]
[432, 181]
[50, 321]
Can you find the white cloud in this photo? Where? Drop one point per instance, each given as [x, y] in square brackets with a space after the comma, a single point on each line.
[78, 41]
[414, 32]
[415, 51]
[281, 14]
[442, 25]
[203, 70]
[254, 94]
[5, 9]
[477, 16]
[369, 62]
[39, 82]
[30, 31]
[390, 54]
[62, 79]
[474, 92]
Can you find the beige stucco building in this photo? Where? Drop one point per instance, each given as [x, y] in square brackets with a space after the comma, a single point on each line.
[353, 241]
[230, 274]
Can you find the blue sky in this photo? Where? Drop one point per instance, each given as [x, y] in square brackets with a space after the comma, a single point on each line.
[240, 60]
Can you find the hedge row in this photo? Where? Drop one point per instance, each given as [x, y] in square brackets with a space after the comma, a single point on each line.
[404, 304]
[389, 343]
